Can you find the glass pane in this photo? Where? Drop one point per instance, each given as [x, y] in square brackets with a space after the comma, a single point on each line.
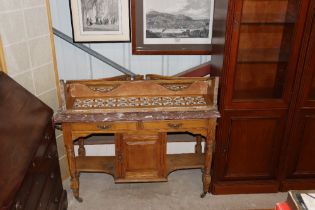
[265, 40]
[257, 81]
[269, 11]
[264, 43]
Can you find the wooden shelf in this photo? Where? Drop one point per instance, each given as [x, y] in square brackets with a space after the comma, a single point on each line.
[269, 11]
[184, 161]
[275, 55]
[106, 164]
[103, 164]
[266, 23]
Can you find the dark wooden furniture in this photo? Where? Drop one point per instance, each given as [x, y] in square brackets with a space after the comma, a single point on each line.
[299, 169]
[29, 168]
[140, 114]
[265, 138]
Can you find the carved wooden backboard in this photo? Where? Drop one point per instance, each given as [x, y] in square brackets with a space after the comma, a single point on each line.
[140, 95]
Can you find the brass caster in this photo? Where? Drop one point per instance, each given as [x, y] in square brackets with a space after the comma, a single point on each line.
[80, 200]
[203, 194]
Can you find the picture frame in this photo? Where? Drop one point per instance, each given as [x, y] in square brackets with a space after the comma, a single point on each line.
[100, 20]
[150, 37]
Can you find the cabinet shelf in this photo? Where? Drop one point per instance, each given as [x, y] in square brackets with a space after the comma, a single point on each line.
[266, 23]
[274, 55]
[263, 62]
[269, 11]
[256, 80]
[103, 164]
[106, 164]
[184, 161]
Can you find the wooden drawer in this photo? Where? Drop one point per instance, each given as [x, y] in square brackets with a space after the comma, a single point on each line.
[24, 192]
[105, 127]
[37, 187]
[175, 125]
[53, 182]
[47, 138]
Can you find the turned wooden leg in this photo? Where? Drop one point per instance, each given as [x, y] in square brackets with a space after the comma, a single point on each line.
[74, 180]
[206, 176]
[198, 147]
[81, 150]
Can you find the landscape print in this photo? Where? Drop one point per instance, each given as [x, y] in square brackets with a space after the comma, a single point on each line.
[178, 22]
[100, 16]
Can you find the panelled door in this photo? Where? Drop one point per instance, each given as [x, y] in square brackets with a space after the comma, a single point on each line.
[300, 161]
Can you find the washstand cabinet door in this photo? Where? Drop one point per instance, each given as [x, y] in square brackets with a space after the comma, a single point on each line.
[141, 157]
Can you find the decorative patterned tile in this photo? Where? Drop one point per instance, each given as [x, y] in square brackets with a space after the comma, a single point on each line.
[139, 102]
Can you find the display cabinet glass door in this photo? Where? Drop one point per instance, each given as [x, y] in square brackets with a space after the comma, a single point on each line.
[265, 37]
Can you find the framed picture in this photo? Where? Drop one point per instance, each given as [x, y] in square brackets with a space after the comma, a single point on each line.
[175, 27]
[100, 20]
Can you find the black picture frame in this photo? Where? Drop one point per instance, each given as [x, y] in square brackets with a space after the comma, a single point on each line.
[98, 36]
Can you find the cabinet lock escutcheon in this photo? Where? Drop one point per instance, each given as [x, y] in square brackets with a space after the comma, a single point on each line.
[119, 156]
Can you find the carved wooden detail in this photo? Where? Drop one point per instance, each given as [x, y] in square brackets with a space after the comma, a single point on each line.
[139, 102]
[176, 87]
[103, 89]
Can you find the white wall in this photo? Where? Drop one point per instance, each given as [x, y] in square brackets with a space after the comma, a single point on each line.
[75, 64]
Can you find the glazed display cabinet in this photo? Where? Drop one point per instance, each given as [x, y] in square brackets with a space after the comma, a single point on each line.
[264, 109]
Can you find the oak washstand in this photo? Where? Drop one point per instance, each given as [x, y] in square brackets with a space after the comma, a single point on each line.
[140, 114]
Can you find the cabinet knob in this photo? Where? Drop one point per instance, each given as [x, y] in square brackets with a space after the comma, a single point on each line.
[52, 175]
[18, 205]
[52, 155]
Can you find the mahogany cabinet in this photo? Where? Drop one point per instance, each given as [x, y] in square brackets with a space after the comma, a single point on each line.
[299, 169]
[264, 137]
